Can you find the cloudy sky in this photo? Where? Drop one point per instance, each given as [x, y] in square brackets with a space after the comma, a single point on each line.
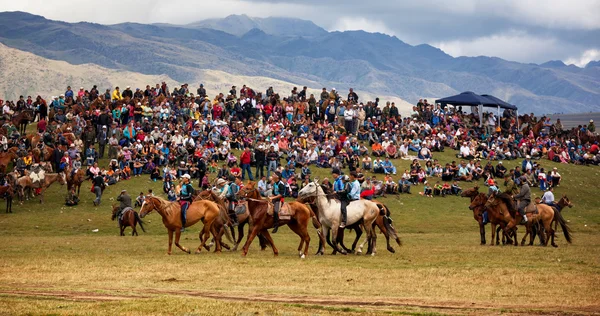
[520, 30]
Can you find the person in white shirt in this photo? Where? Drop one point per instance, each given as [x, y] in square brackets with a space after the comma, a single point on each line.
[404, 149]
[465, 151]
[548, 197]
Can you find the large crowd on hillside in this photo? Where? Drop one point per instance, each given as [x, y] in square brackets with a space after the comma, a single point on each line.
[165, 133]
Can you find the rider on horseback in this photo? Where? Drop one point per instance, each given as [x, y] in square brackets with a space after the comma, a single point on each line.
[277, 199]
[186, 192]
[524, 196]
[231, 195]
[124, 203]
[350, 193]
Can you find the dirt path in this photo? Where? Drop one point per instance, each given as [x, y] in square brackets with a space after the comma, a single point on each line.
[378, 304]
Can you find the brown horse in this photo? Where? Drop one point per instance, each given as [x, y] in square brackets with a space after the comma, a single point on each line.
[562, 203]
[477, 209]
[221, 223]
[297, 220]
[34, 139]
[8, 193]
[545, 215]
[205, 211]
[40, 155]
[25, 183]
[129, 218]
[76, 179]
[20, 120]
[7, 157]
[478, 206]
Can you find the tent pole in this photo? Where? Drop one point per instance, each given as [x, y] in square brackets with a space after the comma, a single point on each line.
[518, 123]
[480, 108]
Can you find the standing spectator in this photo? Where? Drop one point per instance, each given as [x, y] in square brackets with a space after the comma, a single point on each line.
[98, 185]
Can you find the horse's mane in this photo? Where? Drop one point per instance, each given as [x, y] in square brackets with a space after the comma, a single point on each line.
[508, 201]
[329, 193]
[164, 204]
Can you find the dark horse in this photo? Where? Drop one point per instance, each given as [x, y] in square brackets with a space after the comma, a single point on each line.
[478, 210]
[8, 193]
[129, 218]
[20, 120]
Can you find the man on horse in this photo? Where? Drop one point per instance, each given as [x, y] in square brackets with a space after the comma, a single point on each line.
[124, 203]
[277, 199]
[186, 192]
[524, 196]
[548, 197]
[232, 191]
[350, 193]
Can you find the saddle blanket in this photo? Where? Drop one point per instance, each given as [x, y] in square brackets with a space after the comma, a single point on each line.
[37, 176]
[241, 208]
[285, 211]
[123, 213]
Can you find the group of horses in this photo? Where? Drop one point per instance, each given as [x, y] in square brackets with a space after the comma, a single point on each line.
[316, 205]
[502, 212]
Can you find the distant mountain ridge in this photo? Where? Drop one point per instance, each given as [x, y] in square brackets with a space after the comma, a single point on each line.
[372, 63]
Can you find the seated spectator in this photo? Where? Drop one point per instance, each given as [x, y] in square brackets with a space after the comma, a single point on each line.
[366, 163]
[378, 166]
[388, 167]
[555, 177]
[455, 188]
[424, 153]
[377, 150]
[391, 151]
[464, 174]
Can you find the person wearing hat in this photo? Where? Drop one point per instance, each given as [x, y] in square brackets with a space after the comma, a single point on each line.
[591, 127]
[124, 203]
[232, 192]
[510, 185]
[98, 185]
[201, 92]
[527, 164]
[524, 198]
[279, 190]
[116, 95]
[186, 192]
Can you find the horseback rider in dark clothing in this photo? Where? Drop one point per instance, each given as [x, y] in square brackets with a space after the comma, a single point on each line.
[185, 198]
[277, 199]
[524, 196]
[124, 203]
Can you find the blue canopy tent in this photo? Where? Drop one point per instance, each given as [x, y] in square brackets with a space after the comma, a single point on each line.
[480, 101]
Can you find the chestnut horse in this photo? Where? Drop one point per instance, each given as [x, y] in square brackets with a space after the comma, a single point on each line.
[76, 179]
[262, 221]
[496, 219]
[20, 120]
[205, 211]
[503, 204]
[221, 223]
[25, 182]
[242, 219]
[472, 193]
[7, 157]
[129, 218]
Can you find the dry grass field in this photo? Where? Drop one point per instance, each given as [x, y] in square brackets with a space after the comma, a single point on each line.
[51, 262]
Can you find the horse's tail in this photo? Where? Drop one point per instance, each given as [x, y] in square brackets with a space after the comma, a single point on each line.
[563, 225]
[228, 233]
[315, 220]
[387, 222]
[139, 220]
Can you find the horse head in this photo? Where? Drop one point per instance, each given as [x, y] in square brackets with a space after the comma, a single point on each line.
[472, 192]
[309, 190]
[564, 201]
[62, 178]
[478, 201]
[115, 210]
[248, 193]
[149, 205]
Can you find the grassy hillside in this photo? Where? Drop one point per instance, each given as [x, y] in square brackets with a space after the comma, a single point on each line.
[54, 263]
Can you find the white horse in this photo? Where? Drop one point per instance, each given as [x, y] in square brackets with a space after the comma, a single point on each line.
[330, 215]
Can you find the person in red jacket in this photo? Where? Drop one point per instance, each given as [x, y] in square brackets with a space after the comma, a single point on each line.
[245, 160]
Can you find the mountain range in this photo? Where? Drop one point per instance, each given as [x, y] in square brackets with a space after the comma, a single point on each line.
[299, 52]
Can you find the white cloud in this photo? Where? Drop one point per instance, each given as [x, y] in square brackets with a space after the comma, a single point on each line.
[585, 58]
[358, 23]
[514, 45]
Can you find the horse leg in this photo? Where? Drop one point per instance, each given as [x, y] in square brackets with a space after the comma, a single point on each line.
[482, 233]
[177, 236]
[358, 232]
[372, 238]
[240, 234]
[207, 230]
[251, 236]
[217, 237]
[493, 227]
[335, 240]
[270, 240]
[170, 241]
[527, 232]
[551, 233]
[297, 228]
[340, 237]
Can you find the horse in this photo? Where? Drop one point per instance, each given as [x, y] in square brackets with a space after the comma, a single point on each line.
[7, 192]
[221, 223]
[242, 219]
[7, 157]
[20, 120]
[478, 207]
[75, 180]
[472, 193]
[205, 211]
[40, 155]
[384, 222]
[129, 218]
[545, 215]
[296, 217]
[34, 139]
[560, 205]
[25, 182]
[330, 215]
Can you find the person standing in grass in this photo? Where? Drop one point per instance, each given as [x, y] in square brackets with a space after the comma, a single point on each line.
[98, 185]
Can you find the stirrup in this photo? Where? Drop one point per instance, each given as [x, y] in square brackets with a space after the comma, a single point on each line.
[343, 225]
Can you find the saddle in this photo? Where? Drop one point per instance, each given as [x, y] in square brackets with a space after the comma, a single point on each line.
[285, 211]
[241, 207]
[531, 208]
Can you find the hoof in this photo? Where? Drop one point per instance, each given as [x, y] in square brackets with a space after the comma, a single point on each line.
[302, 256]
[197, 251]
[343, 252]
[392, 250]
[373, 255]
[188, 251]
[168, 253]
[555, 245]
